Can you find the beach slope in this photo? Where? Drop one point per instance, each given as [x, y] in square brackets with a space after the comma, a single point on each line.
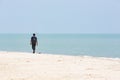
[28, 66]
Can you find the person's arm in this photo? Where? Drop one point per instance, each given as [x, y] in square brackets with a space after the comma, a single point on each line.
[37, 42]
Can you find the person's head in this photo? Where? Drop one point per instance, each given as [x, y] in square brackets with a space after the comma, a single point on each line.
[33, 34]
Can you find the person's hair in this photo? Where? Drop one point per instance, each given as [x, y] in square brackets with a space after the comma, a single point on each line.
[33, 34]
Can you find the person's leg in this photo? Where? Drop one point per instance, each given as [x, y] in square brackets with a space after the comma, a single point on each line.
[33, 47]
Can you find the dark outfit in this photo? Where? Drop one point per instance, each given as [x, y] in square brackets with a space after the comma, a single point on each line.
[33, 43]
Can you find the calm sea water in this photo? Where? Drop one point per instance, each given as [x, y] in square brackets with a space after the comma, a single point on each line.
[103, 45]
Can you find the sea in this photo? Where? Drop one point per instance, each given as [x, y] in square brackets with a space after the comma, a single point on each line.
[99, 45]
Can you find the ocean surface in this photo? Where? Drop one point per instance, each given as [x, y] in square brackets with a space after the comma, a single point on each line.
[100, 45]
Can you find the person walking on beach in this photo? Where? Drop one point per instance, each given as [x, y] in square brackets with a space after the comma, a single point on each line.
[34, 42]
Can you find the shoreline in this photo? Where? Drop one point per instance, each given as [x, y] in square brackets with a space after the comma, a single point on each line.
[28, 66]
[115, 58]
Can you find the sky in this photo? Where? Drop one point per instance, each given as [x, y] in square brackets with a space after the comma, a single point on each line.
[60, 16]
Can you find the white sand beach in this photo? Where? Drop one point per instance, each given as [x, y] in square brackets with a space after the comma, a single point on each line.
[28, 66]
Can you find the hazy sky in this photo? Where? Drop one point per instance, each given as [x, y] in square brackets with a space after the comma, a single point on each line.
[60, 16]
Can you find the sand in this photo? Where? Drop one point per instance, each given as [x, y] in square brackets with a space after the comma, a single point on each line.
[28, 66]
